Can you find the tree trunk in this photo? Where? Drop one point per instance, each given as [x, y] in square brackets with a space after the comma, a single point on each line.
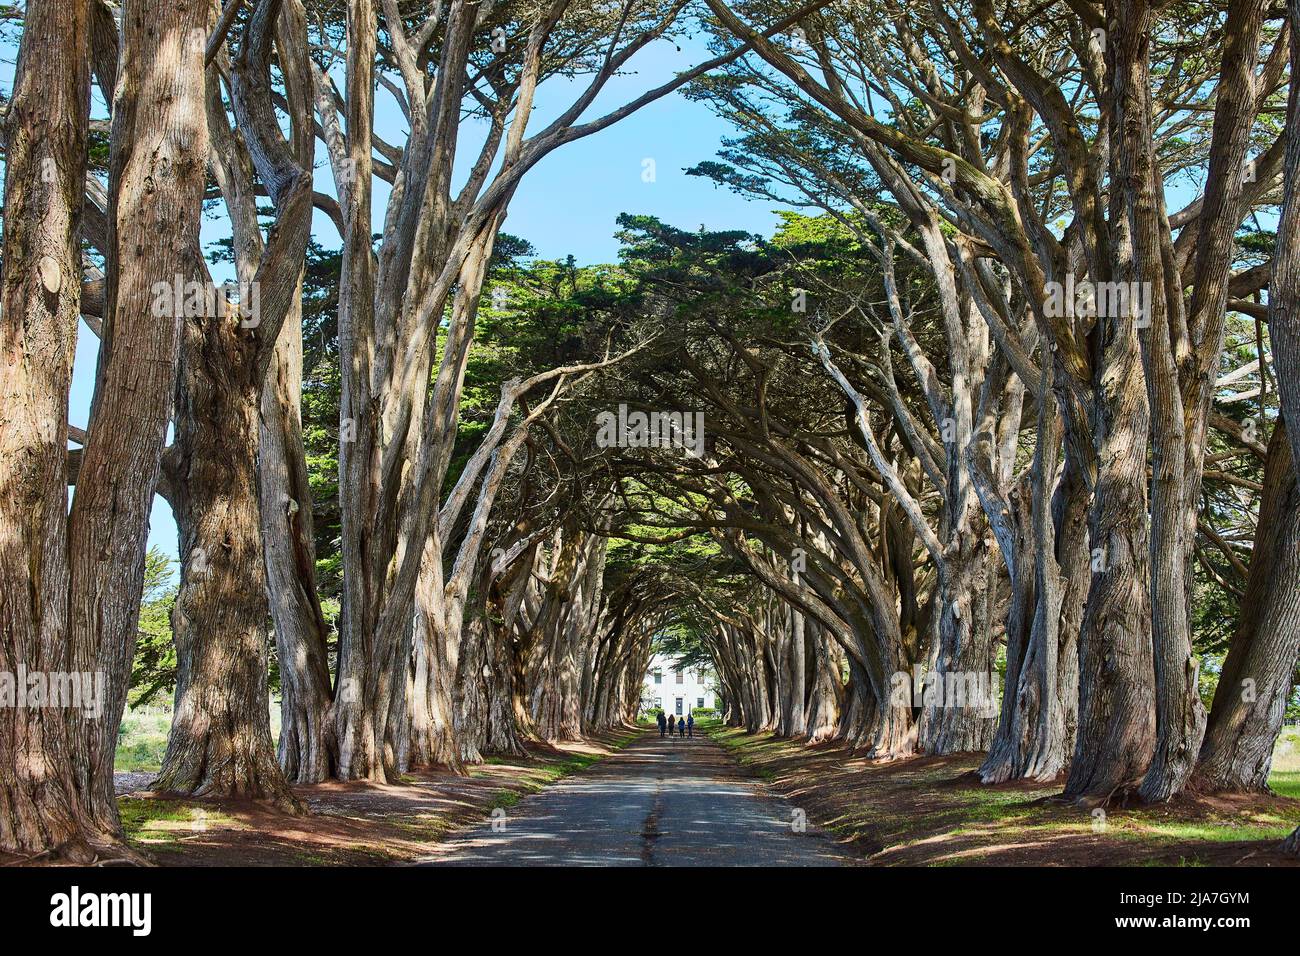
[1186, 394]
[436, 650]
[485, 713]
[308, 751]
[1117, 718]
[1292, 843]
[1116, 732]
[44, 751]
[1284, 292]
[826, 697]
[1052, 740]
[960, 714]
[1255, 684]
[795, 715]
[554, 695]
[485, 683]
[1284, 287]
[220, 742]
[1042, 688]
[156, 182]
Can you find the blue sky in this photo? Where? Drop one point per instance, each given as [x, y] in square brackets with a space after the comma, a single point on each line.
[566, 205]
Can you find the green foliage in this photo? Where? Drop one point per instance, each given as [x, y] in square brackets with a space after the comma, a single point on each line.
[153, 671]
[142, 740]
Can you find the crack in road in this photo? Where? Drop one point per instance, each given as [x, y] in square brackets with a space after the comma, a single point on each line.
[650, 829]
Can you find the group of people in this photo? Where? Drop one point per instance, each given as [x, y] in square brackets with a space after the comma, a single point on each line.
[685, 725]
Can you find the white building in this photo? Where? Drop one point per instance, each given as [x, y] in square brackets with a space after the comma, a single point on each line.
[677, 690]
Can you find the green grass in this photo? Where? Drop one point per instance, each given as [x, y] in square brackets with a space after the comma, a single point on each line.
[155, 822]
[505, 799]
[1285, 783]
[1285, 775]
[142, 740]
[1214, 831]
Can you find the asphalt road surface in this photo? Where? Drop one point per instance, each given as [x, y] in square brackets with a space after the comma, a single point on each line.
[657, 802]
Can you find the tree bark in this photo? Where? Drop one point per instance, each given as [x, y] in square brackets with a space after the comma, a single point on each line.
[1284, 291]
[436, 645]
[1116, 737]
[220, 741]
[44, 760]
[1255, 684]
[307, 749]
[826, 697]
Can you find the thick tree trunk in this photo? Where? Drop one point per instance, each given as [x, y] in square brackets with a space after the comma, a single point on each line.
[859, 709]
[553, 696]
[1116, 732]
[1182, 426]
[220, 742]
[1284, 292]
[43, 754]
[1284, 288]
[794, 715]
[1255, 683]
[156, 182]
[1050, 743]
[960, 714]
[486, 715]
[1117, 709]
[826, 697]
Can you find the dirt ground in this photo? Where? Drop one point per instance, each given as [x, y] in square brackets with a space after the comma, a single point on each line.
[933, 811]
[349, 823]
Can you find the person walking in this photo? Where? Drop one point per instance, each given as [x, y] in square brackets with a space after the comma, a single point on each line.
[690, 726]
[681, 727]
[663, 723]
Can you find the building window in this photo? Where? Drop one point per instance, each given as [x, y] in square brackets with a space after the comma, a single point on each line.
[679, 706]
[659, 677]
[681, 677]
[699, 702]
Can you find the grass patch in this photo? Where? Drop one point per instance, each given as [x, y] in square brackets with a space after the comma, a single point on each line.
[152, 822]
[141, 741]
[1285, 783]
[505, 799]
[1285, 776]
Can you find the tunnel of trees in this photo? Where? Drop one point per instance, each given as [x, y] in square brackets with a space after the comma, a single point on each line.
[984, 449]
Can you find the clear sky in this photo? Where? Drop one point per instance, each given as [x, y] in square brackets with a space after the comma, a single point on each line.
[567, 204]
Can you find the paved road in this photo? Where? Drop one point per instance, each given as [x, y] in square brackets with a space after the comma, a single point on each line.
[657, 802]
